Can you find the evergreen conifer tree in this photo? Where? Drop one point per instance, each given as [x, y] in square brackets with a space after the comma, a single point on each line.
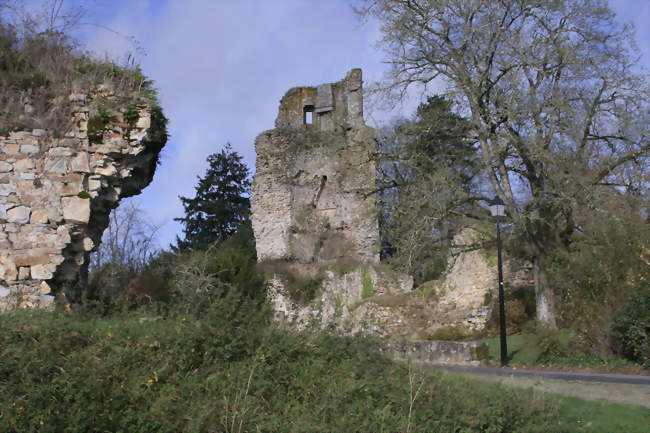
[221, 204]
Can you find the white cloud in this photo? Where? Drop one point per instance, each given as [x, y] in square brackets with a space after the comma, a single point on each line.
[222, 66]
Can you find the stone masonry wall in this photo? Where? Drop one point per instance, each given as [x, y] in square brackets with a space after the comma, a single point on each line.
[56, 195]
[313, 196]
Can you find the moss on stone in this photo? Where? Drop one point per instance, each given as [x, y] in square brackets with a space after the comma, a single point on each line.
[98, 123]
[367, 289]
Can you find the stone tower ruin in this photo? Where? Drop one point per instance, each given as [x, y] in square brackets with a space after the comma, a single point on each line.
[313, 196]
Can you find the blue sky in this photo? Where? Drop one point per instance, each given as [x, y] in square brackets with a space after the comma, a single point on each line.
[223, 65]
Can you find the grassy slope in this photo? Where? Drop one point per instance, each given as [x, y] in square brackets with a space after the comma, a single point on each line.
[233, 371]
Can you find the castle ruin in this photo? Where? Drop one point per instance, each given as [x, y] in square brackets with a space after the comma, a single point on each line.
[56, 194]
[313, 196]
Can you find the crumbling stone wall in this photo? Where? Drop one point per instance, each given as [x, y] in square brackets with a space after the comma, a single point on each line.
[313, 196]
[56, 195]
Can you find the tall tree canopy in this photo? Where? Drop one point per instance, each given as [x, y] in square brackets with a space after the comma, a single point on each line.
[221, 204]
[429, 174]
[553, 94]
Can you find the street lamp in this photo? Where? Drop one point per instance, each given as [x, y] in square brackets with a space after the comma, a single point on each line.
[498, 211]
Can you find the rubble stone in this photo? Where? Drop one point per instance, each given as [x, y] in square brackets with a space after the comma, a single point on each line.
[76, 209]
[18, 214]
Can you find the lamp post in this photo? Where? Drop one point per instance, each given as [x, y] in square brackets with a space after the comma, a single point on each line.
[498, 211]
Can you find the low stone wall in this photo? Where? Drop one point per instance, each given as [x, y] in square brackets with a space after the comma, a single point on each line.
[56, 195]
[340, 299]
[441, 352]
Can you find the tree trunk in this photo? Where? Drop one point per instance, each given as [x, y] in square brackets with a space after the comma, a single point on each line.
[544, 296]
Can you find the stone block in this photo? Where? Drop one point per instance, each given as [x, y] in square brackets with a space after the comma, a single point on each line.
[56, 164]
[94, 183]
[60, 151]
[46, 301]
[18, 135]
[68, 189]
[24, 164]
[39, 217]
[10, 149]
[324, 98]
[88, 244]
[63, 233]
[29, 148]
[77, 97]
[108, 171]
[76, 209]
[6, 189]
[23, 273]
[18, 215]
[144, 122]
[5, 167]
[80, 163]
[8, 271]
[44, 288]
[41, 272]
[442, 352]
[35, 256]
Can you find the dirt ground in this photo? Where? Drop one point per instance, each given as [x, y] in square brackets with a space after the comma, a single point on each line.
[615, 392]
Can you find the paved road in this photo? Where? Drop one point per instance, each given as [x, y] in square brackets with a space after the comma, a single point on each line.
[561, 375]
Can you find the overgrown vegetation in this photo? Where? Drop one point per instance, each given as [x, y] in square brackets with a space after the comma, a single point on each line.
[632, 328]
[42, 67]
[302, 283]
[557, 350]
[550, 107]
[232, 370]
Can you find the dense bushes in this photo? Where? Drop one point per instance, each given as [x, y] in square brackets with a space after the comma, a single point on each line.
[632, 328]
[189, 282]
[230, 370]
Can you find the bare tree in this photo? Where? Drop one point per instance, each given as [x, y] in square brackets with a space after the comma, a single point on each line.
[129, 241]
[128, 245]
[554, 95]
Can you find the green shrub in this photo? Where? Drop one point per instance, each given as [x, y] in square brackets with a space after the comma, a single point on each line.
[232, 367]
[201, 278]
[520, 309]
[131, 114]
[97, 124]
[516, 316]
[549, 346]
[632, 328]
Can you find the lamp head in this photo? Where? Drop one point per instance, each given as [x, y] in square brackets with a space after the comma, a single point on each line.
[497, 207]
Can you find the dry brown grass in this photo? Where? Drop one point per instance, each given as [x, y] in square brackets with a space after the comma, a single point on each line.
[41, 66]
